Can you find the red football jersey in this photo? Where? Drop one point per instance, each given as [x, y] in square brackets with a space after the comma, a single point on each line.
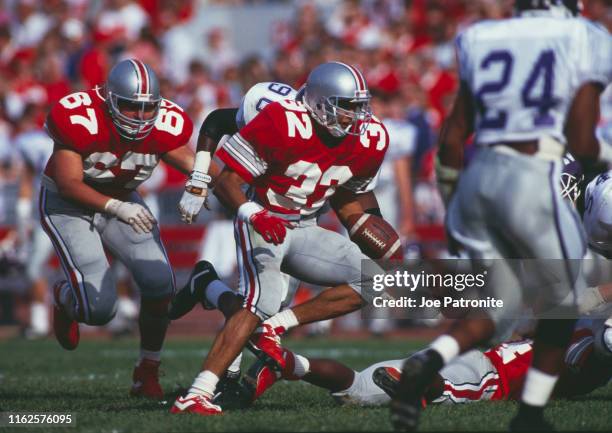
[290, 169]
[112, 164]
[511, 360]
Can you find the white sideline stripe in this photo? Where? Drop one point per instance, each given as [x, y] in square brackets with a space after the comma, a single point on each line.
[362, 219]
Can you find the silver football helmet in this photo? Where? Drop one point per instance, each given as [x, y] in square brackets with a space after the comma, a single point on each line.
[337, 97]
[133, 87]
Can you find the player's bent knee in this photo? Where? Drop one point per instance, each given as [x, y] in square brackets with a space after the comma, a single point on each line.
[101, 313]
[264, 309]
[157, 285]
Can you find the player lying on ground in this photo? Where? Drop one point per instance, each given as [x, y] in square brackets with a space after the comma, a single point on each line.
[496, 374]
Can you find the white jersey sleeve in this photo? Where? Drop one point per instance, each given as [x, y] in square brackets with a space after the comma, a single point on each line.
[523, 73]
[595, 63]
[260, 95]
[35, 147]
[597, 217]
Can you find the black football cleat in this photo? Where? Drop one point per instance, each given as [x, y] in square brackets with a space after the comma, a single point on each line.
[521, 423]
[417, 374]
[231, 392]
[530, 418]
[194, 291]
[387, 379]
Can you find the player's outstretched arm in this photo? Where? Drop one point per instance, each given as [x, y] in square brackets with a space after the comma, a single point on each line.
[181, 158]
[67, 171]
[202, 170]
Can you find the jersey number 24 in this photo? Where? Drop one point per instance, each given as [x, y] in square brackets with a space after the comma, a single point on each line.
[543, 67]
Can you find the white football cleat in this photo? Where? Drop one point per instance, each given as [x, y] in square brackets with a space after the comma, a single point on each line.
[195, 403]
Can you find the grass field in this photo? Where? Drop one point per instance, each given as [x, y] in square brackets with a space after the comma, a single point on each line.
[93, 381]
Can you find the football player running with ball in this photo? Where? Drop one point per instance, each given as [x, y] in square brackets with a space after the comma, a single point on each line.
[530, 86]
[294, 155]
[107, 141]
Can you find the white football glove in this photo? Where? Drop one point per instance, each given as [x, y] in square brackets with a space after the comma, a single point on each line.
[194, 197]
[136, 215]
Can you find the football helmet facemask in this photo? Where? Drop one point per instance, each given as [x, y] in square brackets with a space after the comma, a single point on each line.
[337, 97]
[132, 87]
[572, 177]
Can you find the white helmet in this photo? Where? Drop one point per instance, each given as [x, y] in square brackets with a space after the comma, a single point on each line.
[336, 89]
[133, 84]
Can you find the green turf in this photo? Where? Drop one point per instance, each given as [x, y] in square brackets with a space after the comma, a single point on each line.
[92, 383]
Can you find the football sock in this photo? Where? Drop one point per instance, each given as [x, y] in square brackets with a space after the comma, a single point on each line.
[150, 355]
[446, 346]
[39, 317]
[302, 366]
[214, 290]
[235, 365]
[285, 320]
[538, 387]
[204, 384]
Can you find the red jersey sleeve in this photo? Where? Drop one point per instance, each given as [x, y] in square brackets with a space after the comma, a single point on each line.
[173, 128]
[71, 128]
[373, 145]
[249, 151]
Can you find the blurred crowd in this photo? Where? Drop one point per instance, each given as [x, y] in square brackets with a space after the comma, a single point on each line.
[49, 48]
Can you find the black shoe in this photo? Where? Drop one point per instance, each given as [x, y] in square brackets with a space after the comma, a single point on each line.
[417, 374]
[520, 423]
[530, 418]
[231, 392]
[387, 379]
[194, 291]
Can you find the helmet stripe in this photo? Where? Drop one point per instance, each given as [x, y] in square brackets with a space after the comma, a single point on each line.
[361, 86]
[143, 76]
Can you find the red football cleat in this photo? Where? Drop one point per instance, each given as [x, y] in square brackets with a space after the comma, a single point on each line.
[195, 404]
[267, 340]
[146, 380]
[65, 328]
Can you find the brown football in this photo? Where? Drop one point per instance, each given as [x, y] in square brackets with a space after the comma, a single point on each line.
[374, 236]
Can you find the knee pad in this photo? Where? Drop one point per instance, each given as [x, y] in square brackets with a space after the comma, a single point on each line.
[157, 285]
[102, 313]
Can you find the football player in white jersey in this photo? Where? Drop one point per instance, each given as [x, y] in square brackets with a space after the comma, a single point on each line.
[530, 85]
[35, 148]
